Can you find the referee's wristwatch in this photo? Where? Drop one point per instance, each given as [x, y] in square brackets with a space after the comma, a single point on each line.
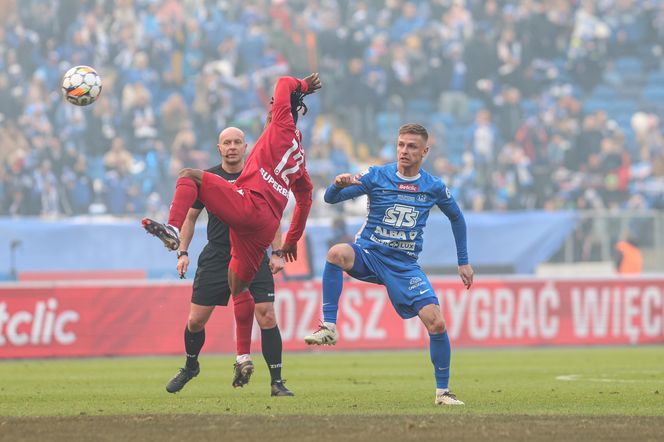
[278, 252]
[182, 253]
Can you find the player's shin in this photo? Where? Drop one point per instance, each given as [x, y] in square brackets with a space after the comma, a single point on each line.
[272, 347]
[193, 343]
[186, 193]
[243, 309]
[332, 285]
[440, 350]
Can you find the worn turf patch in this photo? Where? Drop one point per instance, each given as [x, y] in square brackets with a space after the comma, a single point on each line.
[332, 428]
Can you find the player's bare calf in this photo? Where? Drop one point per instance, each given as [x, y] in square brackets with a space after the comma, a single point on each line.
[168, 234]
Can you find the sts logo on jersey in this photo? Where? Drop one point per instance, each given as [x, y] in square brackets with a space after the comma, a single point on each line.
[401, 216]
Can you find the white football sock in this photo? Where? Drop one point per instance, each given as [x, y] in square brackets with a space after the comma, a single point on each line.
[242, 358]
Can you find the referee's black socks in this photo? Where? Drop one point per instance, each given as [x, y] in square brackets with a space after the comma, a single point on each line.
[193, 342]
[271, 346]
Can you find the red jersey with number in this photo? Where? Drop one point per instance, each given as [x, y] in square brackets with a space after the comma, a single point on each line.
[276, 165]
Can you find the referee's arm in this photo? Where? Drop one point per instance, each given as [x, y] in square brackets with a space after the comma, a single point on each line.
[187, 231]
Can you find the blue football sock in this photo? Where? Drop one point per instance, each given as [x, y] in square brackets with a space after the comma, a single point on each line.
[333, 281]
[439, 347]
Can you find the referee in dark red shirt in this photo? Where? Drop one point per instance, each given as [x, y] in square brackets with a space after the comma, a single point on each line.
[211, 281]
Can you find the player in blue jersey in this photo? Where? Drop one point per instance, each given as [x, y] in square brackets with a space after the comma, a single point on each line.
[385, 251]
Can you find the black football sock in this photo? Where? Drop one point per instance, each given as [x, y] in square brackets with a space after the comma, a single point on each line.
[193, 342]
[271, 346]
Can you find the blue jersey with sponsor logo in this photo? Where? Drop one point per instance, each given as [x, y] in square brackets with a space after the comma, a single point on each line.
[398, 211]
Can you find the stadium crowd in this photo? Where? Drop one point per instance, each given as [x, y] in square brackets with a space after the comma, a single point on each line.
[530, 104]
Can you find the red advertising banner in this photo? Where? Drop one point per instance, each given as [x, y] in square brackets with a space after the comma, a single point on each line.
[139, 318]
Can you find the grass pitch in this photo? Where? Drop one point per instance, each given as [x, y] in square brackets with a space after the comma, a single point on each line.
[516, 391]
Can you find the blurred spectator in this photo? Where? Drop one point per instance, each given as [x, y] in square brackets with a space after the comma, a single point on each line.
[627, 256]
[118, 158]
[482, 139]
[531, 104]
[79, 188]
[358, 101]
[454, 100]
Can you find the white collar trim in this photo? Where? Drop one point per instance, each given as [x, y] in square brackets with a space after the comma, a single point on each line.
[408, 178]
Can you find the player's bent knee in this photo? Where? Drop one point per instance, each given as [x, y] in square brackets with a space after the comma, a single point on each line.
[435, 326]
[186, 173]
[265, 315]
[236, 284]
[238, 287]
[341, 255]
[194, 174]
[196, 324]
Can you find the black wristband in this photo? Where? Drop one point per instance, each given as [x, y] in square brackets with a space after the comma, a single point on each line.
[182, 253]
[278, 252]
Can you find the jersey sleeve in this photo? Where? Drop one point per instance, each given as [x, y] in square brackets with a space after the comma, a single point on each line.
[281, 108]
[303, 191]
[198, 205]
[303, 184]
[450, 208]
[335, 194]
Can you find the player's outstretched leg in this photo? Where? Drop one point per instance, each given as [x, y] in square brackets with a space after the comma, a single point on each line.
[186, 193]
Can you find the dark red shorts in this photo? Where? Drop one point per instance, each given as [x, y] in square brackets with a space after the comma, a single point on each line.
[250, 220]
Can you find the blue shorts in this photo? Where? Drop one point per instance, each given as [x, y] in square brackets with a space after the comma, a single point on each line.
[407, 286]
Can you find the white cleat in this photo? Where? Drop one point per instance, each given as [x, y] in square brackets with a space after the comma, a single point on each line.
[447, 398]
[325, 335]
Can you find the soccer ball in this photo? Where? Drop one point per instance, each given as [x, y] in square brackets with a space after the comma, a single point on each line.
[81, 85]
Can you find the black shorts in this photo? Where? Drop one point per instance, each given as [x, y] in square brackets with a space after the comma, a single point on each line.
[211, 280]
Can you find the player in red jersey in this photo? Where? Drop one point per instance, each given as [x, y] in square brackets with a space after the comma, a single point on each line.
[252, 207]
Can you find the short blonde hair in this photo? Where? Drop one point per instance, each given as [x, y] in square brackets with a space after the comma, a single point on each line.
[415, 129]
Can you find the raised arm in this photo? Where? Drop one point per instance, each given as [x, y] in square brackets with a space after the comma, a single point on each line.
[345, 187]
[281, 106]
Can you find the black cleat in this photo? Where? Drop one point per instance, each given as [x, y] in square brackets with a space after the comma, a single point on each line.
[243, 372]
[279, 389]
[166, 233]
[179, 380]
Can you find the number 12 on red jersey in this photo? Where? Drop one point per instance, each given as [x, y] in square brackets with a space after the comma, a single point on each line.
[298, 157]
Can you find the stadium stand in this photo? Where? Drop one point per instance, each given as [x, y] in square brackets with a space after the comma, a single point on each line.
[574, 93]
